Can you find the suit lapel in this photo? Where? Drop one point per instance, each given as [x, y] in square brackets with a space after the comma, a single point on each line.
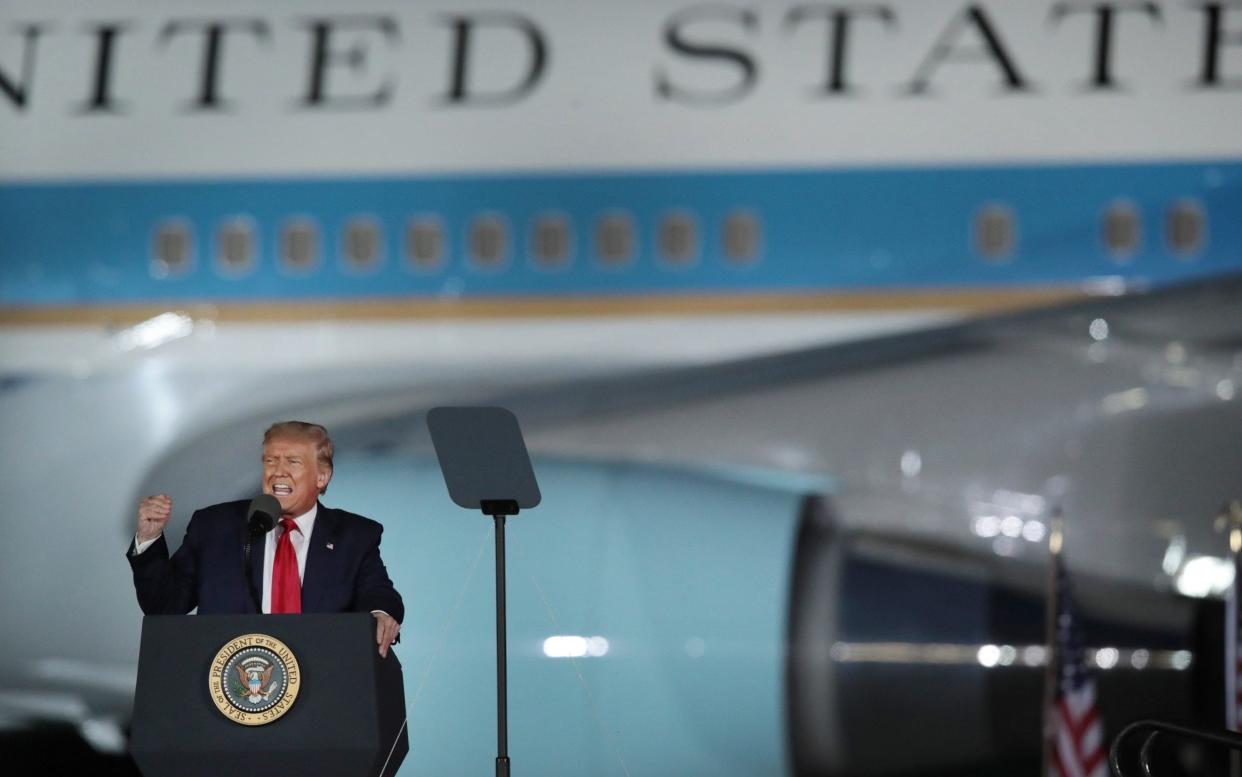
[319, 558]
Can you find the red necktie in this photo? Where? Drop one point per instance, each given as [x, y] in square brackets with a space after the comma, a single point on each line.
[286, 585]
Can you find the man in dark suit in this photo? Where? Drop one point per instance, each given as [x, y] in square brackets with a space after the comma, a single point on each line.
[316, 559]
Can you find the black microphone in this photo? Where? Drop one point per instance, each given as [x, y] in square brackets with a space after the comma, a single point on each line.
[261, 516]
[263, 513]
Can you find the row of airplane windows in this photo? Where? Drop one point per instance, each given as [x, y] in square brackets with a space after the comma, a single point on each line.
[1121, 230]
[614, 240]
[551, 242]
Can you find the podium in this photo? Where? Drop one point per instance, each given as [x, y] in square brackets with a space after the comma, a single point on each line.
[267, 695]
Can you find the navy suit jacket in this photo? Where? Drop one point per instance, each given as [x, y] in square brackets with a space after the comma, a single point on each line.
[344, 572]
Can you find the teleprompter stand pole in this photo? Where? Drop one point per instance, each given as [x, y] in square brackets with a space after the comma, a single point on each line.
[486, 466]
[502, 681]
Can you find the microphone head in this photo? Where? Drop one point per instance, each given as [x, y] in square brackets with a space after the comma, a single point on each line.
[263, 513]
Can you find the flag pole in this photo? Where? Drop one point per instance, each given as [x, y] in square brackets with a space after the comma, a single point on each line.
[1055, 539]
[1232, 515]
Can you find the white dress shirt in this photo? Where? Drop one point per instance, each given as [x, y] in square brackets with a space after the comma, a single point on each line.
[301, 543]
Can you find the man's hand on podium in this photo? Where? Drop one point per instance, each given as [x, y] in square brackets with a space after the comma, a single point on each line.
[153, 514]
[386, 629]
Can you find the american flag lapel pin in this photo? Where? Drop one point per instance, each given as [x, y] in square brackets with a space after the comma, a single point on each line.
[331, 546]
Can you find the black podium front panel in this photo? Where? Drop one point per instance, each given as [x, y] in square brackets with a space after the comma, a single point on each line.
[348, 717]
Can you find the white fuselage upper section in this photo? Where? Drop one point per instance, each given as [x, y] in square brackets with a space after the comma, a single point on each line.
[119, 88]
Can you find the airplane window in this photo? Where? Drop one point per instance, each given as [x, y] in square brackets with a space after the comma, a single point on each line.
[1186, 228]
[424, 243]
[678, 238]
[741, 237]
[235, 246]
[614, 239]
[1123, 230]
[172, 248]
[362, 243]
[489, 241]
[994, 232]
[299, 245]
[550, 240]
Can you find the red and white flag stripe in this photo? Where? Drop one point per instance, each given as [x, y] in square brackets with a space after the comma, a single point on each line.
[1079, 750]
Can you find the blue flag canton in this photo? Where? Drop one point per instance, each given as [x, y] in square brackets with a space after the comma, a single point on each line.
[1072, 672]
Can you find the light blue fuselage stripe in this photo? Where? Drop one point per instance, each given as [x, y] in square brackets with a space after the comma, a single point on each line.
[888, 229]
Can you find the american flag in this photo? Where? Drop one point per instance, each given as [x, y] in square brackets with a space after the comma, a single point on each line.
[1078, 742]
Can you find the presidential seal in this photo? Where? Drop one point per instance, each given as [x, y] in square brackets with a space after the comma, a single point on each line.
[254, 679]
